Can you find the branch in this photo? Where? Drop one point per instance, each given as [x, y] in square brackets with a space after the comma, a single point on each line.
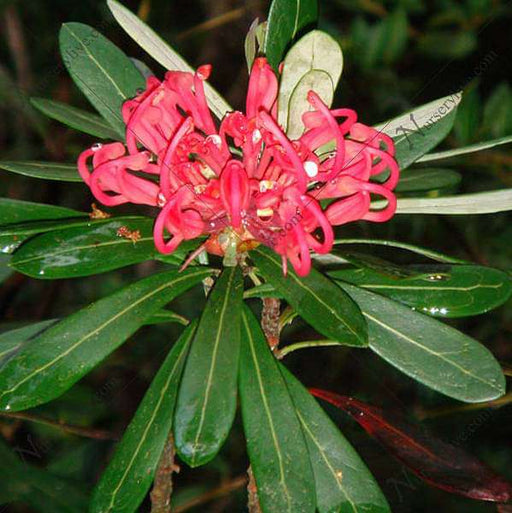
[252, 491]
[162, 487]
[270, 321]
[222, 490]
[97, 434]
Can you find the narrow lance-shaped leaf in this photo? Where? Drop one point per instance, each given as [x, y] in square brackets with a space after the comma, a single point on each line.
[75, 118]
[286, 19]
[55, 360]
[316, 299]
[432, 255]
[126, 480]
[473, 148]
[207, 397]
[17, 211]
[44, 170]
[490, 202]
[421, 129]
[155, 46]
[427, 179]
[100, 69]
[12, 340]
[316, 53]
[275, 442]
[343, 482]
[427, 350]
[438, 290]
[438, 463]
[92, 249]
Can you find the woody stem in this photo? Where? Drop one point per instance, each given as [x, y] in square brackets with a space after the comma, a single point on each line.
[162, 487]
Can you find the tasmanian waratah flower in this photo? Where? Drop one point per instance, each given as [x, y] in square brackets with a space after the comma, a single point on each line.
[242, 182]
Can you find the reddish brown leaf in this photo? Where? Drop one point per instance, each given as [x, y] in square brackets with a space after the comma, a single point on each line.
[438, 463]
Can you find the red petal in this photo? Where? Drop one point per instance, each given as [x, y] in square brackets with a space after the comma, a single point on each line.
[439, 464]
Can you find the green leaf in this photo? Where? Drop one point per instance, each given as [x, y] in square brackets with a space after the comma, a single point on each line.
[316, 299]
[465, 150]
[468, 116]
[155, 46]
[36, 487]
[489, 202]
[395, 35]
[85, 250]
[275, 442]
[343, 482]
[207, 397]
[55, 360]
[418, 131]
[75, 118]
[447, 45]
[433, 255]
[12, 340]
[440, 291]
[44, 170]
[127, 479]
[100, 69]
[16, 211]
[314, 61]
[427, 350]
[286, 19]
[497, 111]
[427, 179]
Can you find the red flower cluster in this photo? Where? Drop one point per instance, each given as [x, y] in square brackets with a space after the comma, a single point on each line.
[245, 180]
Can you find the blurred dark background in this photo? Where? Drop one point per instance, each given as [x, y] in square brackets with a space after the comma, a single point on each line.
[398, 54]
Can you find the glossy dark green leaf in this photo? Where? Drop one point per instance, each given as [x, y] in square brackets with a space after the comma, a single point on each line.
[126, 480]
[316, 299]
[429, 351]
[418, 131]
[207, 397]
[432, 255]
[100, 69]
[44, 170]
[12, 340]
[427, 179]
[343, 482]
[78, 119]
[15, 214]
[286, 19]
[86, 250]
[55, 360]
[438, 290]
[275, 442]
[17, 211]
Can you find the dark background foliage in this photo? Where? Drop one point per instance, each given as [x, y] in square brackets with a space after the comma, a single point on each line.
[398, 54]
